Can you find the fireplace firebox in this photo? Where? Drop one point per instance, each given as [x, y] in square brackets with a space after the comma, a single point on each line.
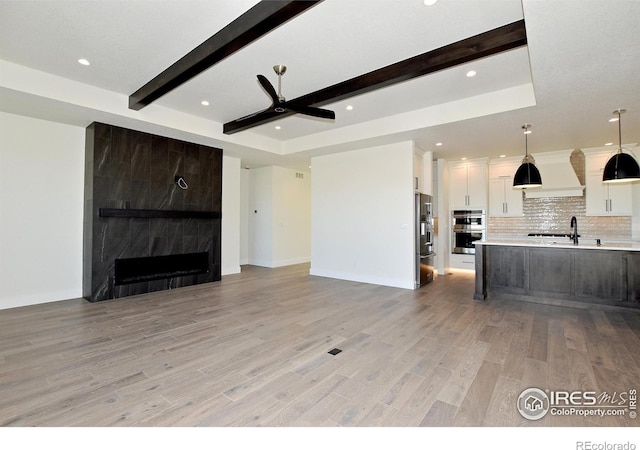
[136, 270]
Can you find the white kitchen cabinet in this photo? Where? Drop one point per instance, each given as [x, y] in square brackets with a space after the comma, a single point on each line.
[504, 200]
[468, 184]
[418, 183]
[603, 199]
[458, 261]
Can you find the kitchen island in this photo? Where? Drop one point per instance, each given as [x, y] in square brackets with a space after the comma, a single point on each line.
[559, 272]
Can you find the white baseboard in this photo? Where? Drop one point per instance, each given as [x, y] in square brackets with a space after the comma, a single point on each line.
[230, 270]
[279, 263]
[363, 278]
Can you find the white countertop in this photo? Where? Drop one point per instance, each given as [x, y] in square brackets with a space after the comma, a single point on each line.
[584, 243]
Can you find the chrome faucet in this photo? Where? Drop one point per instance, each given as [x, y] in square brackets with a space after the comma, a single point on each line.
[574, 229]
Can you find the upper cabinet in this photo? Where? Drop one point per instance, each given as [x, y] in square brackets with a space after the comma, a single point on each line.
[468, 184]
[418, 172]
[504, 200]
[603, 199]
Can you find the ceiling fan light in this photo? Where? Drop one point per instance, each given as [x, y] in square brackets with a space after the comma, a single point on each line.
[621, 168]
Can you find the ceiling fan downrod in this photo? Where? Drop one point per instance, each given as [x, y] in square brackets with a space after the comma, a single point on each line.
[280, 70]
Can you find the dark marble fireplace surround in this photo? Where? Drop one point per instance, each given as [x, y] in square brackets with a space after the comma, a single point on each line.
[137, 217]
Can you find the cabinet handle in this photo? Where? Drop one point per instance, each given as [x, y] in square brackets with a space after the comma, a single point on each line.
[610, 205]
[506, 207]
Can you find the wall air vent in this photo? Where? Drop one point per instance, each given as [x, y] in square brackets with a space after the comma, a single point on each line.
[299, 175]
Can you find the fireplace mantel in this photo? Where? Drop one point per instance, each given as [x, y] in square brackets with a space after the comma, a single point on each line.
[127, 213]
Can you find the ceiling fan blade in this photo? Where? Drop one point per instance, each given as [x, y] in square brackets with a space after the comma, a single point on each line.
[312, 111]
[269, 88]
[252, 120]
[256, 114]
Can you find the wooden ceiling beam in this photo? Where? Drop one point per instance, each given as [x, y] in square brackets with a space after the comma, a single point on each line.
[489, 43]
[253, 24]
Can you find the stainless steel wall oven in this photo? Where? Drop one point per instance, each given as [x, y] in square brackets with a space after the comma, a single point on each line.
[467, 226]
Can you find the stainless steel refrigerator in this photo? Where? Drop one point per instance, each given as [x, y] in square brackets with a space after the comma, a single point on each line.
[424, 239]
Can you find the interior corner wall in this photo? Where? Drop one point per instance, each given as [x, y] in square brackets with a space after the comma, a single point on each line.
[279, 222]
[231, 220]
[41, 210]
[291, 216]
[362, 215]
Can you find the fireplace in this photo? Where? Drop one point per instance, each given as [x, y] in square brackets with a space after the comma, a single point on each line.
[152, 218]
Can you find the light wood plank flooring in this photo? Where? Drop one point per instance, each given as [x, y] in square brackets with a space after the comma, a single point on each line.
[252, 350]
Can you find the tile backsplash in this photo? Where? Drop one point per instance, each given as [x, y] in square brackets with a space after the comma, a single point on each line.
[553, 215]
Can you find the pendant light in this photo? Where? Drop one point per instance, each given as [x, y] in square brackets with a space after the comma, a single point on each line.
[527, 176]
[621, 167]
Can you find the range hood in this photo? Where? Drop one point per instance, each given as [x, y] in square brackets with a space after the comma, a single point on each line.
[559, 178]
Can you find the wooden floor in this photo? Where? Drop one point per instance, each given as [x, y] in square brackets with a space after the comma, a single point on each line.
[252, 350]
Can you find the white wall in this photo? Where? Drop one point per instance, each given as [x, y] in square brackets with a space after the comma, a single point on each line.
[443, 247]
[362, 215]
[427, 170]
[261, 217]
[292, 217]
[635, 221]
[245, 206]
[41, 210]
[230, 215]
[279, 217]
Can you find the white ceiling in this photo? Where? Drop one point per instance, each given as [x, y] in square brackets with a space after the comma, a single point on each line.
[582, 62]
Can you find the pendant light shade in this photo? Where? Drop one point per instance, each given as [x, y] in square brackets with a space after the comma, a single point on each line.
[621, 167]
[527, 176]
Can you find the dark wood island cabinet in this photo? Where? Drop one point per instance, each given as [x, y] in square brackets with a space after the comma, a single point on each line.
[559, 273]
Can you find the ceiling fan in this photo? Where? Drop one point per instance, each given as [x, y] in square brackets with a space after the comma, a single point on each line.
[280, 105]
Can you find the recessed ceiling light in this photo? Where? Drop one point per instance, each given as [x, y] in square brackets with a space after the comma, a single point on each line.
[609, 143]
[84, 62]
[438, 144]
[204, 103]
[464, 158]
[430, 2]
[471, 73]
[503, 156]
[349, 108]
[278, 127]
[613, 119]
[527, 131]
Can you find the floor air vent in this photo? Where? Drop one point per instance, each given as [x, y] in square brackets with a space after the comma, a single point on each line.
[334, 351]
